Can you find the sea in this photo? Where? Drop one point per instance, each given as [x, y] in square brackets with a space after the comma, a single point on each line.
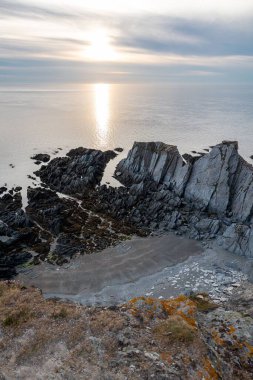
[106, 116]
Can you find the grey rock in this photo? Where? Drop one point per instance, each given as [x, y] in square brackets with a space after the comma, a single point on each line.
[238, 238]
[209, 184]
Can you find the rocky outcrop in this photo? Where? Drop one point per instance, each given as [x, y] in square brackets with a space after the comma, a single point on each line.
[218, 183]
[41, 157]
[203, 197]
[238, 238]
[80, 171]
[157, 161]
[210, 182]
[15, 230]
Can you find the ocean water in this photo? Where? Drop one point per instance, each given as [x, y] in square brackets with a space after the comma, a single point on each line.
[106, 116]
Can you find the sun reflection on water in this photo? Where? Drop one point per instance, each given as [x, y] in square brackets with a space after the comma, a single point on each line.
[102, 111]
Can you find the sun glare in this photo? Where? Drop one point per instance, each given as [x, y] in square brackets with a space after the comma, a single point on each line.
[102, 107]
[100, 48]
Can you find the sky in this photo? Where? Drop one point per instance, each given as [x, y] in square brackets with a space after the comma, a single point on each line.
[64, 42]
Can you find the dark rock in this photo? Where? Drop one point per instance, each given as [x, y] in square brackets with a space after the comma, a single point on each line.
[119, 150]
[204, 197]
[80, 171]
[41, 157]
[3, 189]
[17, 189]
[31, 177]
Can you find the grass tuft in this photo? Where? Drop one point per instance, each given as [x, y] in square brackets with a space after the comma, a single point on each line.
[174, 329]
[61, 314]
[16, 318]
[203, 302]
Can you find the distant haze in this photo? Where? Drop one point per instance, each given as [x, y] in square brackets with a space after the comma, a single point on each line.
[64, 42]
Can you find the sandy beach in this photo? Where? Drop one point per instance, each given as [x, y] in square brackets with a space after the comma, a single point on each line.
[161, 266]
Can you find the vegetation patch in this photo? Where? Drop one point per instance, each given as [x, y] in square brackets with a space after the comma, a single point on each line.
[174, 329]
[16, 318]
[203, 302]
[60, 314]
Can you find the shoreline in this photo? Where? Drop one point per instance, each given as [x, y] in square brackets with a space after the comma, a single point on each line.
[129, 270]
[72, 213]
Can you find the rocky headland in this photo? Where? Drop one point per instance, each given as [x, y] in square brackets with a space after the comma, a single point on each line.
[208, 197]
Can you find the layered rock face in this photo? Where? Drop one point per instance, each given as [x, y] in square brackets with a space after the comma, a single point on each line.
[210, 182]
[156, 161]
[219, 183]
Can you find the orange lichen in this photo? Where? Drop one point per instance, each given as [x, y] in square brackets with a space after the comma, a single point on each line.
[181, 305]
[249, 348]
[216, 337]
[231, 330]
[210, 370]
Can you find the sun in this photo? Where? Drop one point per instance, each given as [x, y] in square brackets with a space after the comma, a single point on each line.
[100, 48]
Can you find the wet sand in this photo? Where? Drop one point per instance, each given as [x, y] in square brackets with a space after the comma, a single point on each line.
[110, 276]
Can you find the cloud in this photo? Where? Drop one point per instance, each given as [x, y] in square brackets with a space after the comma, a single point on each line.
[46, 40]
[10, 8]
[173, 35]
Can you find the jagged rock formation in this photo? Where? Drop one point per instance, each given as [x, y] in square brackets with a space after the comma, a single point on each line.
[219, 183]
[203, 197]
[15, 230]
[157, 161]
[210, 182]
[80, 171]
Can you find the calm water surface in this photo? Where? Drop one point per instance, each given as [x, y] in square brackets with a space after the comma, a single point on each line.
[106, 116]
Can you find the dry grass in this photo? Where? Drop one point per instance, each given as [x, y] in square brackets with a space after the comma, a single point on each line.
[34, 346]
[61, 314]
[16, 318]
[47, 337]
[174, 329]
